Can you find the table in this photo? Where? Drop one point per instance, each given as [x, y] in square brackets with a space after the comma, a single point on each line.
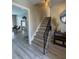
[61, 37]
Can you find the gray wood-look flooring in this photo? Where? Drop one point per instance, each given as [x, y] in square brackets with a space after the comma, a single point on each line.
[22, 50]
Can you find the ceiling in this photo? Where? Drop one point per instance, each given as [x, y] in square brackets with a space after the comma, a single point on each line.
[53, 2]
[18, 11]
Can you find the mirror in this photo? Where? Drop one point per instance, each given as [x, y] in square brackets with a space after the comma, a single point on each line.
[63, 17]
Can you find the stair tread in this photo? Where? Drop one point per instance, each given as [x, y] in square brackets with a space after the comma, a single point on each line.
[39, 34]
[37, 43]
[39, 37]
[39, 40]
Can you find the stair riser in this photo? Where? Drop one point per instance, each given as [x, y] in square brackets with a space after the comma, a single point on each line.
[38, 44]
[43, 23]
[41, 29]
[39, 40]
[39, 37]
[40, 32]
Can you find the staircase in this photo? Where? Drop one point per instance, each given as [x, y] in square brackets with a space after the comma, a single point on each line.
[40, 39]
[44, 45]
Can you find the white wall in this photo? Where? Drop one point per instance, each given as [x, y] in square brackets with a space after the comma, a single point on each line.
[55, 12]
[43, 10]
[34, 20]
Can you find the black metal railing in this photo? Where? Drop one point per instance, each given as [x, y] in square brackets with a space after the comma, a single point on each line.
[46, 33]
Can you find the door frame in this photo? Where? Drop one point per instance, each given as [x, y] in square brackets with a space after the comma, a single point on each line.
[28, 18]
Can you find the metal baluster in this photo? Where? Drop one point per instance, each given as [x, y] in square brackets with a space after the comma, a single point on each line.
[45, 36]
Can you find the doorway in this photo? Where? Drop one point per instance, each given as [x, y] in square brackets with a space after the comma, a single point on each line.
[20, 27]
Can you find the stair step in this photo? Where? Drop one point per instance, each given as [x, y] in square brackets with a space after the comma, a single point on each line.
[40, 32]
[42, 29]
[45, 20]
[40, 49]
[37, 43]
[39, 37]
[44, 25]
[39, 40]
